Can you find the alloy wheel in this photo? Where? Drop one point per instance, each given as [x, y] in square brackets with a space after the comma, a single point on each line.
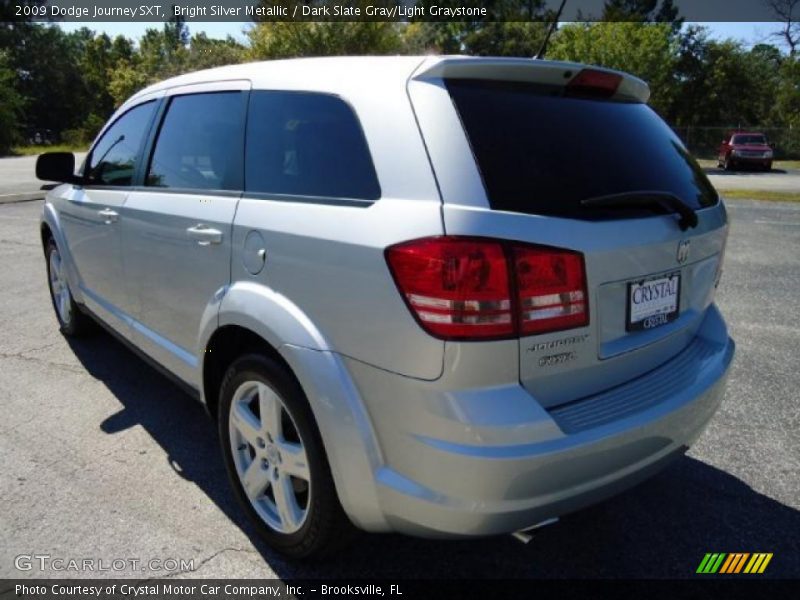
[270, 457]
[59, 288]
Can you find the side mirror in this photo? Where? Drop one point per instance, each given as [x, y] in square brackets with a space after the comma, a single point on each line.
[57, 166]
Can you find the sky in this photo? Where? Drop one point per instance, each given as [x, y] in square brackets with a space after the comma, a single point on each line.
[748, 33]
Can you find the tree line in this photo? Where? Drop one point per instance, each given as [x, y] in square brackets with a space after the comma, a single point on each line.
[63, 86]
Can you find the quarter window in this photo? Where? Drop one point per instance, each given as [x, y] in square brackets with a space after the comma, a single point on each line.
[114, 157]
[200, 144]
[305, 144]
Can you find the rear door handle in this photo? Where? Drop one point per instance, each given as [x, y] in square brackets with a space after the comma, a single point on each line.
[109, 216]
[204, 235]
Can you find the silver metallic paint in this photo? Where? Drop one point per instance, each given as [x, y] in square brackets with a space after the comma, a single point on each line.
[423, 436]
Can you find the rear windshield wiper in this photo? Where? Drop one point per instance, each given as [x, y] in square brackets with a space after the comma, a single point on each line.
[643, 198]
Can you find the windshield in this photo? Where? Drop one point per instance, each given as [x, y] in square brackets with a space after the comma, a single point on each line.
[542, 153]
[749, 139]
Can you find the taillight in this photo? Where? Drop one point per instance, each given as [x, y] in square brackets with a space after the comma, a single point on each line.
[551, 288]
[461, 288]
[458, 288]
[594, 83]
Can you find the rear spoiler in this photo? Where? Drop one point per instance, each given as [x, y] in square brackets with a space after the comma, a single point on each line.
[529, 70]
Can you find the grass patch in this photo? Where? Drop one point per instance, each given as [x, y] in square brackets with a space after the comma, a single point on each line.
[711, 163]
[36, 150]
[706, 163]
[761, 195]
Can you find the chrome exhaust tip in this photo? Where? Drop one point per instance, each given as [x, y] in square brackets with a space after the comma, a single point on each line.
[525, 535]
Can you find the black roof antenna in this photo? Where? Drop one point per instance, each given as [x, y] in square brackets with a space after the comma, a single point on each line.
[543, 49]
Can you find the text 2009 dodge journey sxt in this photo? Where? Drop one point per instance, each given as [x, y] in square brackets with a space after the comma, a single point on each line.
[443, 296]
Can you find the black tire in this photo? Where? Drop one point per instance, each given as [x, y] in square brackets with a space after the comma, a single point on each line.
[73, 322]
[326, 527]
[728, 164]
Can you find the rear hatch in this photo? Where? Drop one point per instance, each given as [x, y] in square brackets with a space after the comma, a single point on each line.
[652, 243]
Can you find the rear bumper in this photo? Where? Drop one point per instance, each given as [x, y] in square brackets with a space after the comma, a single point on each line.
[488, 461]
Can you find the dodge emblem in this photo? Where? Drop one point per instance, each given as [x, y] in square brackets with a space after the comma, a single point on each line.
[683, 251]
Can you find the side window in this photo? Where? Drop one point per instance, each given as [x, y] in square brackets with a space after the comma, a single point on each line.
[114, 156]
[200, 144]
[307, 144]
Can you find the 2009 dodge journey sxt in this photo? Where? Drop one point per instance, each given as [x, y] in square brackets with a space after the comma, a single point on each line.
[444, 296]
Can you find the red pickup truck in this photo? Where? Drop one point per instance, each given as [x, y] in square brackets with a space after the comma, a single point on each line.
[742, 148]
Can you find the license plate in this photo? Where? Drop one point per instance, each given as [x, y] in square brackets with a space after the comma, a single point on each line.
[653, 302]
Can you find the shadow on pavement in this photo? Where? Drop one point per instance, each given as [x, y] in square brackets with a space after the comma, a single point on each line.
[660, 529]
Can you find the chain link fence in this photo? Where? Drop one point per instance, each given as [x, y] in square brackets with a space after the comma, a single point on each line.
[704, 142]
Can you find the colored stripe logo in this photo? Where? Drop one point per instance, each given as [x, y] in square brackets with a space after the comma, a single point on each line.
[734, 562]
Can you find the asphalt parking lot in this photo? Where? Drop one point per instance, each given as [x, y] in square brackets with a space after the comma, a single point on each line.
[777, 180]
[18, 180]
[17, 174]
[102, 457]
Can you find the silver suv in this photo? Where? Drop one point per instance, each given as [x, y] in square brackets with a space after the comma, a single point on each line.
[443, 296]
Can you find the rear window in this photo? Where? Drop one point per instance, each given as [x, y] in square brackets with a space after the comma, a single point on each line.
[542, 153]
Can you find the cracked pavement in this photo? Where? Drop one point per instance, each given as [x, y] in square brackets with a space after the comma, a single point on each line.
[104, 458]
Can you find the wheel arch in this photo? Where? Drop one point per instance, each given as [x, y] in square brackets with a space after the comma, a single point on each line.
[50, 228]
[253, 318]
[248, 317]
[226, 344]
